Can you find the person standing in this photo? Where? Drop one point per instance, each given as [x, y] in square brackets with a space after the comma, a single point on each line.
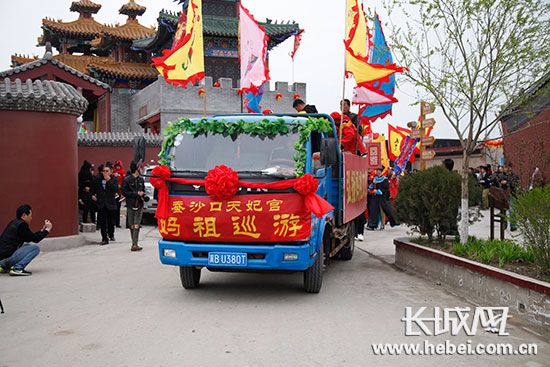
[85, 179]
[119, 174]
[15, 251]
[486, 181]
[351, 141]
[104, 189]
[133, 188]
[345, 105]
[380, 193]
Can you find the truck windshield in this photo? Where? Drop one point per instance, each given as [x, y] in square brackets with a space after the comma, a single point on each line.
[271, 156]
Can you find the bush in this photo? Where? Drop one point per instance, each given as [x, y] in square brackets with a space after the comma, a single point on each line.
[531, 215]
[428, 201]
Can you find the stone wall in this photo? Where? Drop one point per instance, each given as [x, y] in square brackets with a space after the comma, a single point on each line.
[174, 102]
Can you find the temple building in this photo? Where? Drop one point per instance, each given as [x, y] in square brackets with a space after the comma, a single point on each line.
[111, 64]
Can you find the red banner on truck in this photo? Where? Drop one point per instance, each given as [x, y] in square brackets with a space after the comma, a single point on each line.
[356, 182]
[244, 218]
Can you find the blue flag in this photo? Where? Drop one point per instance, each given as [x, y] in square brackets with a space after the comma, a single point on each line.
[380, 54]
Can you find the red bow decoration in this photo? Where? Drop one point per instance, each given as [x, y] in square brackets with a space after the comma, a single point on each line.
[222, 183]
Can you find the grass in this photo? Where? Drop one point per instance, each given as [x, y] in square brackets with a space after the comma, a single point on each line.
[487, 251]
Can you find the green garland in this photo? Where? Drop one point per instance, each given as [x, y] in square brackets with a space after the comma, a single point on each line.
[262, 129]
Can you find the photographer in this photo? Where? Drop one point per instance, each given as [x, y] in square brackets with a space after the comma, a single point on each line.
[133, 188]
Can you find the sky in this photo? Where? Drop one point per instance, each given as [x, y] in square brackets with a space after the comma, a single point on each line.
[319, 62]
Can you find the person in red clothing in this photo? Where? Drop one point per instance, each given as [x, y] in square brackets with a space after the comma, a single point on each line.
[350, 139]
[120, 175]
[394, 185]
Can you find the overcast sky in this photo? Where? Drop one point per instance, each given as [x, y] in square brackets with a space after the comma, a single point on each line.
[319, 62]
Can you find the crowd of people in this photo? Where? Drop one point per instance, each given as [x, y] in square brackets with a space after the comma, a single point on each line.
[101, 195]
[502, 177]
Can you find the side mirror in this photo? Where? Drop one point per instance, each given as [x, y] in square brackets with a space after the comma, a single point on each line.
[329, 152]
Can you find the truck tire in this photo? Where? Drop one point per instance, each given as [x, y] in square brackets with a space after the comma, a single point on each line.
[346, 252]
[313, 277]
[190, 277]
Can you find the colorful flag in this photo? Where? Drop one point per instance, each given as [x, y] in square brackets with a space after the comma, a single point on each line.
[367, 96]
[380, 138]
[380, 55]
[83, 128]
[185, 63]
[253, 99]
[404, 155]
[357, 63]
[297, 41]
[180, 31]
[253, 50]
[395, 138]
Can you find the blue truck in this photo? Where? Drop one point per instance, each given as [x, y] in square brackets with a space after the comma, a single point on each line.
[202, 232]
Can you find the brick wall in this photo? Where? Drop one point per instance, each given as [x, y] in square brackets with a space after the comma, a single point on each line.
[528, 146]
[120, 111]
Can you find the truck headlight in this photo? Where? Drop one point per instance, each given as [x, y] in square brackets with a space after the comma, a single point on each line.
[168, 252]
[290, 257]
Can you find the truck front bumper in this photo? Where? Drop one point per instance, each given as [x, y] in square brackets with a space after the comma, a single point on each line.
[264, 257]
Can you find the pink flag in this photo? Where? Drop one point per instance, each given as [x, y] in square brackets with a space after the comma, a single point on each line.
[297, 41]
[254, 72]
[363, 95]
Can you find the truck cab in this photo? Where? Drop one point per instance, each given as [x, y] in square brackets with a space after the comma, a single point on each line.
[266, 225]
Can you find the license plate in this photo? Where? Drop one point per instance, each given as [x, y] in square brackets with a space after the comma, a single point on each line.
[226, 259]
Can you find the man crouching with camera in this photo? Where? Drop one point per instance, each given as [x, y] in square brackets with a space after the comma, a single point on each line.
[133, 188]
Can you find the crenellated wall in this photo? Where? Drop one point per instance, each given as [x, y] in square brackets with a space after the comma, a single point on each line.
[171, 103]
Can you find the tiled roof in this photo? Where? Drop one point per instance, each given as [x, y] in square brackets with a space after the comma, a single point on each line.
[47, 96]
[117, 139]
[101, 65]
[132, 8]
[48, 58]
[130, 31]
[525, 97]
[124, 69]
[86, 28]
[224, 26]
[86, 6]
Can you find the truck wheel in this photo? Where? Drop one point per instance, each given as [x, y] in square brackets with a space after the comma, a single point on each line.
[346, 252]
[190, 276]
[313, 277]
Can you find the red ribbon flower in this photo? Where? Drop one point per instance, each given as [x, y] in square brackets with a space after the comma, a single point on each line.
[221, 183]
[306, 185]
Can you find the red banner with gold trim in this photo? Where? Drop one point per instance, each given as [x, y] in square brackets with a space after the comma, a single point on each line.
[356, 182]
[244, 218]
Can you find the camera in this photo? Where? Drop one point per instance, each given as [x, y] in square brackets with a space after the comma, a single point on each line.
[146, 198]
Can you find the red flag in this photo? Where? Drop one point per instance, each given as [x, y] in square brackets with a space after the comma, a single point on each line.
[297, 41]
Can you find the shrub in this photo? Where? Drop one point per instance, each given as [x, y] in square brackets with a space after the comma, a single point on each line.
[428, 201]
[531, 215]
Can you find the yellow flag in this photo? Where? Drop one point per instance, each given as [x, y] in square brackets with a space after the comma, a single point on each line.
[185, 63]
[356, 48]
[384, 152]
[395, 139]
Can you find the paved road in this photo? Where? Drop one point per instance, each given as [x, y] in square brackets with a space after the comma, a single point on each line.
[106, 306]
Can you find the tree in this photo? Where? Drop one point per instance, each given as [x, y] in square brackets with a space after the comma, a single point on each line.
[471, 58]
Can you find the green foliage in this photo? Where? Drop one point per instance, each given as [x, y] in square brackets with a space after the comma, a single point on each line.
[531, 215]
[474, 191]
[487, 251]
[262, 129]
[428, 201]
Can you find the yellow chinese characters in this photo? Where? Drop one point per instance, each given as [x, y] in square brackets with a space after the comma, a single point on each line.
[356, 185]
[178, 207]
[233, 205]
[196, 206]
[205, 227]
[286, 225]
[254, 206]
[245, 226]
[275, 205]
[170, 227]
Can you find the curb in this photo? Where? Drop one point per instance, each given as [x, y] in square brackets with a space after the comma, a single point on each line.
[62, 243]
[528, 297]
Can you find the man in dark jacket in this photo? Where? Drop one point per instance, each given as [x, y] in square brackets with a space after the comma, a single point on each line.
[379, 190]
[104, 189]
[15, 251]
[133, 188]
[301, 107]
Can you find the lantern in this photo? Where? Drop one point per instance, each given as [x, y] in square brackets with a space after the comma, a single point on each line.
[201, 92]
[279, 96]
[296, 96]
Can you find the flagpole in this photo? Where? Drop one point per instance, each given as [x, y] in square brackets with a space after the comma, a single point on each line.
[344, 81]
